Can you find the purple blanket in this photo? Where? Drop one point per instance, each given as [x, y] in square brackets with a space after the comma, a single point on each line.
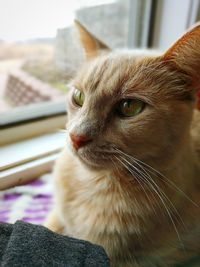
[30, 203]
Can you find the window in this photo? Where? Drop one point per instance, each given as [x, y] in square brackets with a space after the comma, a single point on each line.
[171, 20]
[39, 49]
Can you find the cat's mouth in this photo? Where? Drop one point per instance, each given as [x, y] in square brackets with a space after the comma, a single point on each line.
[95, 158]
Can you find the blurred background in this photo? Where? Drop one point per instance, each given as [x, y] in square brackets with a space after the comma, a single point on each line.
[40, 51]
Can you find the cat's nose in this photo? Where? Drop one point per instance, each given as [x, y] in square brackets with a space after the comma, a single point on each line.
[79, 141]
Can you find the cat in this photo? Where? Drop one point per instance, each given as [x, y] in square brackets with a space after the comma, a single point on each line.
[128, 178]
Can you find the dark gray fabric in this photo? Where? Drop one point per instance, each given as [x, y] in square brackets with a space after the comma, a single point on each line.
[24, 244]
[5, 232]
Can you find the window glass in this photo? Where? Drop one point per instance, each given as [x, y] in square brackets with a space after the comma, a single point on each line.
[39, 48]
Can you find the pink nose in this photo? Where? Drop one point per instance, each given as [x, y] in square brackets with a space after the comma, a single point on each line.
[79, 141]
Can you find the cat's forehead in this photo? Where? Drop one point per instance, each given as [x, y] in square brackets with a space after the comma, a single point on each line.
[117, 73]
[104, 68]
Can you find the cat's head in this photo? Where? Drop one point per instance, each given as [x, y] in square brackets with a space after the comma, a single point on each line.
[123, 107]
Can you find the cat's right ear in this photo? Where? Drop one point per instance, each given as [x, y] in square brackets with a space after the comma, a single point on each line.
[184, 55]
[92, 45]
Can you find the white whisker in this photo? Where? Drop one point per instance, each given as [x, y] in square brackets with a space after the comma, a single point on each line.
[160, 175]
[144, 175]
[149, 178]
[137, 179]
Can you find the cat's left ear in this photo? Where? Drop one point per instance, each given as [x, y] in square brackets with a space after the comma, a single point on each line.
[184, 55]
[92, 45]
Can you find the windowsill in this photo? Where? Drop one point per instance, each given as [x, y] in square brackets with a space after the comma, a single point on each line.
[32, 112]
[31, 129]
[23, 161]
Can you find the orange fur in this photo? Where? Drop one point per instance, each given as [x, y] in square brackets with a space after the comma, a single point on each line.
[141, 217]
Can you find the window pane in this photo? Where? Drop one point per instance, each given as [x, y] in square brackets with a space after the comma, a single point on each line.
[39, 48]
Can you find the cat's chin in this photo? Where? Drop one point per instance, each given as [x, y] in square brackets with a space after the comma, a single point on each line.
[93, 160]
[90, 164]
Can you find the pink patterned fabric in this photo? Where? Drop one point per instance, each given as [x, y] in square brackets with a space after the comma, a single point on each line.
[30, 203]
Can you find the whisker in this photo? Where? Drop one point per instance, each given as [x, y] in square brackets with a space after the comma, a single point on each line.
[169, 214]
[169, 183]
[122, 195]
[160, 176]
[140, 173]
[149, 178]
[160, 195]
[115, 166]
[137, 177]
[169, 201]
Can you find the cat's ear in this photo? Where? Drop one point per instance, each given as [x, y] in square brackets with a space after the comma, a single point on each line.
[184, 55]
[92, 45]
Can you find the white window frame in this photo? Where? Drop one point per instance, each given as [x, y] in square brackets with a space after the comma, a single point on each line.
[25, 160]
[29, 121]
[33, 111]
[31, 138]
[173, 18]
[140, 12]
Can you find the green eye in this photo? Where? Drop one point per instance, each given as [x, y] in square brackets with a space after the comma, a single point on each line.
[78, 97]
[130, 107]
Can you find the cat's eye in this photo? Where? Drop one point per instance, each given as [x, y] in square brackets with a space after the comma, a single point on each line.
[130, 107]
[78, 97]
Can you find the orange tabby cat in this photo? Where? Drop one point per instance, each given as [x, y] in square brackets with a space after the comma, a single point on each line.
[129, 176]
